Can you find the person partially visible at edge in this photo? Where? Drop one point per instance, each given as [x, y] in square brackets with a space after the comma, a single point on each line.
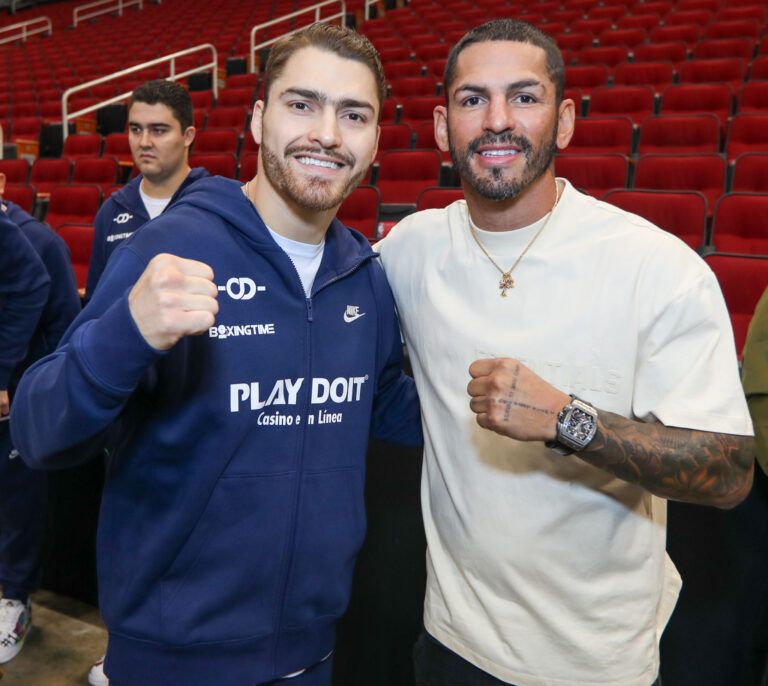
[576, 367]
[160, 133]
[246, 344]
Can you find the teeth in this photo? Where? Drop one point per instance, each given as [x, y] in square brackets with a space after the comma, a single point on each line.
[498, 153]
[319, 163]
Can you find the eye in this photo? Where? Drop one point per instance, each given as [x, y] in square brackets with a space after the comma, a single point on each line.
[472, 101]
[356, 117]
[135, 129]
[525, 98]
[300, 106]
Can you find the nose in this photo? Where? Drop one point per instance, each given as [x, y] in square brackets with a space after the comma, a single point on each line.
[144, 141]
[325, 130]
[498, 115]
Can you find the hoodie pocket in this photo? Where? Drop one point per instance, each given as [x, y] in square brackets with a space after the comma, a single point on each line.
[329, 532]
[225, 579]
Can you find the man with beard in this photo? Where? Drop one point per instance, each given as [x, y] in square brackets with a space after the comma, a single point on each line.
[544, 512]
[245, 344]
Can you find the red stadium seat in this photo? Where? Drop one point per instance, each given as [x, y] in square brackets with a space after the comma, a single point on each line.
[116, 145]
[747, 133]
[730, 70]
[679, 133]
[419, 110]
[201, 100]
[235, 117]
[682, 213]
[403, 175]
[82, 145]
[750, 172]
[740, 222]
[232, 97]
[47, 173]
[753, 97]
[675, 52]
[576, 41]
[214, 142]
[693, 17]
[725, 47]
[586, 78]
[687, 33]
[658, 75]
[401, 70]
[425, 140]
[608, 56]
[101, 171]
[73, 204]
[24, 196]
[360, 210]
[437, 198]
[601, 135]
[702, 97]
[25, 128]
[739, 28]
[79, 239]
[635, 102]
[249, 165]
[594, 174]
[16, 171]
[624, 37]
[393, 137]
[221, 164]
[422, 86]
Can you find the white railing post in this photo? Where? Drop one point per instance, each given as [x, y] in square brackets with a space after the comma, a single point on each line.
[316, 7]
[80, 12]
[25, 29]
[213, 65]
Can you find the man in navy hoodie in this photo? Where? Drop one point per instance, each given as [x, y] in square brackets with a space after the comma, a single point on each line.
[39, 301]
[160, 133]
[245, 343]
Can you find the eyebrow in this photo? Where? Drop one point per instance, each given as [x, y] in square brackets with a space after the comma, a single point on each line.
[155, 124]
[322, 98]
[512, 87]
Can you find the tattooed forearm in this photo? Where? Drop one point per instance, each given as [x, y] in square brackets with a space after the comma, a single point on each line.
[681, 464]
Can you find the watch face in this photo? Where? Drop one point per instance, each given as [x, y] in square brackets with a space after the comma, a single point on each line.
[580, 425]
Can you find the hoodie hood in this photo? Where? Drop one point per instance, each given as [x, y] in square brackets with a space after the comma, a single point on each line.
[129, 197]
[345, 248]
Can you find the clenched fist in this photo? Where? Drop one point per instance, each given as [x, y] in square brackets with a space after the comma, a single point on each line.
[173, 298]
[511, 400]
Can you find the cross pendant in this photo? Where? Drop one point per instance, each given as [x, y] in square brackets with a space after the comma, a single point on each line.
[506, 283]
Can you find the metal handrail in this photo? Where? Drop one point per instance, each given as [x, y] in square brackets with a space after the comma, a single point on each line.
[368, 5]
[112, 6]
[173, 76]
[316, 7]
[24, 32]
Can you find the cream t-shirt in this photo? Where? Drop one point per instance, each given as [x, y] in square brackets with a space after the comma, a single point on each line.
[542, 569]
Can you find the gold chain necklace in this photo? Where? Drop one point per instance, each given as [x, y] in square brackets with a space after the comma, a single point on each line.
[507, 282]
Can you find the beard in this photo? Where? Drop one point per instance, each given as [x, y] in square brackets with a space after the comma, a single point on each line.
[493, 185]
[316, 194]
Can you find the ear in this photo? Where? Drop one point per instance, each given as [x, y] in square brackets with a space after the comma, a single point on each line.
[566, 120]
[3, 179]
[257, 121]
[189, 136]
[440, 115]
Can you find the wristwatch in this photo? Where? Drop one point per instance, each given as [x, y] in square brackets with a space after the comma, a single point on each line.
[576, 427]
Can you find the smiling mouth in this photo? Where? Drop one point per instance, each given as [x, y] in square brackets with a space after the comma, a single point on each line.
[498, 153]
[311, 161]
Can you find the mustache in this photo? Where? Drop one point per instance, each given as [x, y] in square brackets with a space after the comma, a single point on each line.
[504, 138]
[311, 150]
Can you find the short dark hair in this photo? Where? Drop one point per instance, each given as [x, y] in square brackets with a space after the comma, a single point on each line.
[338, 40]
[173, 95]
[510, 30]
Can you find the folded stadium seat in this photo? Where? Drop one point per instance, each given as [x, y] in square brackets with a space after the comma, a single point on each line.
[199, 118]
[704, 173]
[601, 135]
[100, 171]
[399, 54]
[612, 12]
[25, 128]
[593, 26]
[116, 145]
[716, 98]
[20, 96]
[750, 173]
[574, 41]
[394, 137]
[740, 222]
[635, 102]
[709, 5]
[658, 75]
[759, 70]
[687, 33]
[586, 78]
[16, 171]
[594, 174]
[553, 28]
[608, 56]
[404, 174]
[103, 91]
[742, 279]
[421, 86]
[679, 133]
[49, 95]
[222, 140]
[249, 165]
[638, 21]
[753, 10]
[111, 190]
[437, 198]
[753, 97]
[716, 48]
[578, 101]
[73, 204]
[747, 133]
[740, 28]
[221, 164]
[235, 117]
[425, 140]
[390, 42]
[24, 196]
[243, 81]
[82, 145]
[629, 38]
[682, 213]
[231, 97]
[419, 110]
[583, 5]
[47, 173]
[248, 144]
[25, 109]
[431, 51]
[700, 18]
[79, 239]
[360, 210]
[436, 68]
[564, 17]
[730, 70]
[201, 100]
[473, 17]
[405, 69]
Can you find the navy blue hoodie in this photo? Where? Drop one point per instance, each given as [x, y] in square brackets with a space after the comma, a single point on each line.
[233, 504]
[24, 288]
[121, 214]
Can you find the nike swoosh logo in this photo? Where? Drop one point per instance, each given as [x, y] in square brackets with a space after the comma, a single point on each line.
[350, 318]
